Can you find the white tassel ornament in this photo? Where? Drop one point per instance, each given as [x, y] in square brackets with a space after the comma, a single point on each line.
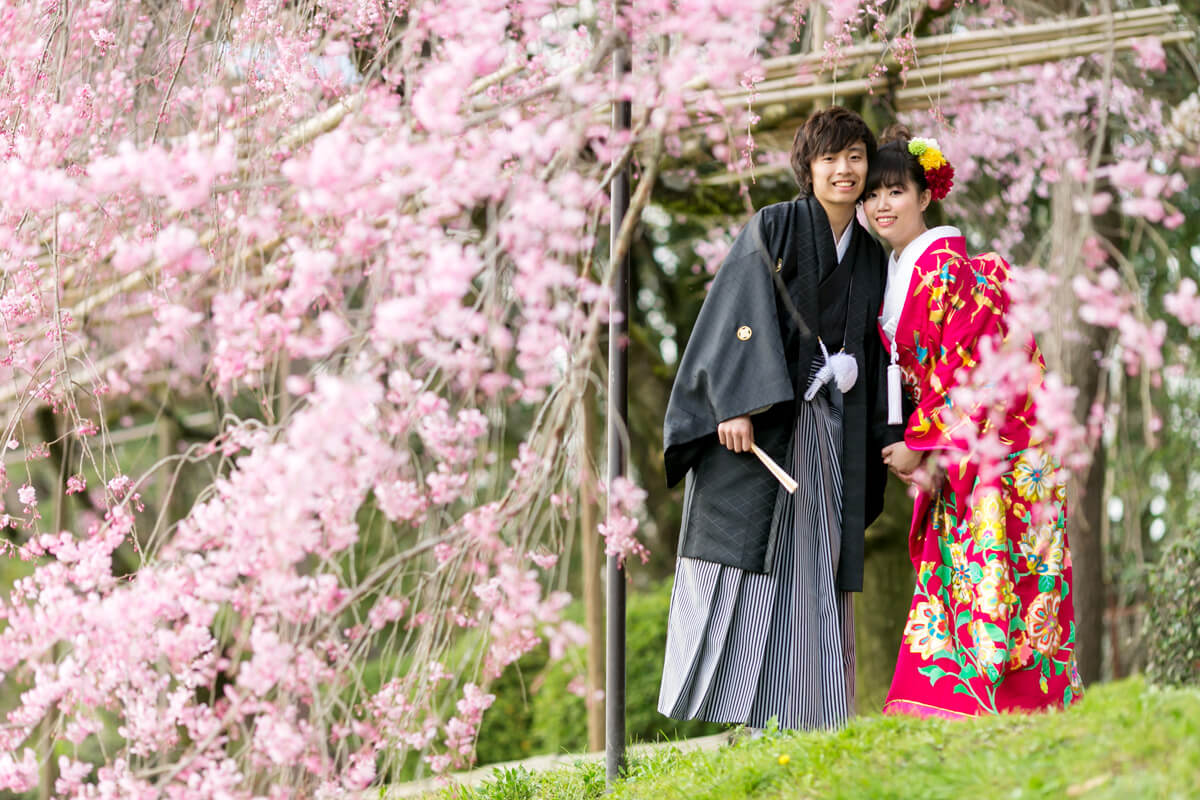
[841, 368]
[895, 416]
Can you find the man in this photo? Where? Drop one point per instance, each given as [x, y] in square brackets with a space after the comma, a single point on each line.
[761, 620]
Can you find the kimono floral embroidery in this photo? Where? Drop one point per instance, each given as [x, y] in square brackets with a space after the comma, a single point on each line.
[996, 598]
[987, 522]
[928, 629]
[988, 650]
[1021, 653]
[991, 625]
[1041, 622]
[1043, 549]
[1076, 681]
[1032, 475]
[963, 575]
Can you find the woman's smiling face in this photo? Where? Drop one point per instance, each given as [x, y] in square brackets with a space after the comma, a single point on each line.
[896, 212]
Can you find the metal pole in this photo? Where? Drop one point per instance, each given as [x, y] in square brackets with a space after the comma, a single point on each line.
[618, 413]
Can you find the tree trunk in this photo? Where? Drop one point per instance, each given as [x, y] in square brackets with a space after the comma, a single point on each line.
[1071, 351]
[1086, 494]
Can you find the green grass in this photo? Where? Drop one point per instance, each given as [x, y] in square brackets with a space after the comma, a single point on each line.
[1124, 740]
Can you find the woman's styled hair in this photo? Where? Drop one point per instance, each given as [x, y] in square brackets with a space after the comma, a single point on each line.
[894, 165]
[830, 130]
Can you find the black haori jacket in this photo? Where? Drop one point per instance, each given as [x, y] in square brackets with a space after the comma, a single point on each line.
[750, 349]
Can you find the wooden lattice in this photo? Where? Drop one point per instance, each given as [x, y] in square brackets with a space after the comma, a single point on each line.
[980, 62]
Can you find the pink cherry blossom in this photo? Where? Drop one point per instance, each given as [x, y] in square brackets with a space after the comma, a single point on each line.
[1149, 54]
[1184, 303]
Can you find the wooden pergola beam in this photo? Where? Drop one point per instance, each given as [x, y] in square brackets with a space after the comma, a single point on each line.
[982, 63]
[1159, 16]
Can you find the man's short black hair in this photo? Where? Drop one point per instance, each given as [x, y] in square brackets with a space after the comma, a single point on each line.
[830, 130]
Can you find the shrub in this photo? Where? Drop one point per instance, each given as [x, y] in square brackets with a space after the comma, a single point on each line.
[534, 712]
[1173, 624]
[505, 733]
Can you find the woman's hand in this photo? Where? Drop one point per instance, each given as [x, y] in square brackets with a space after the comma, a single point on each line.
[912, 467]
[902, 460]
[737, 434]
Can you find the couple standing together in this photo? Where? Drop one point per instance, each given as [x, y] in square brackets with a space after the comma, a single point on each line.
[804, 328]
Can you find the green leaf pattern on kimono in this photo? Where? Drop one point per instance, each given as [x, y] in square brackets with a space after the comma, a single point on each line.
[990, 608]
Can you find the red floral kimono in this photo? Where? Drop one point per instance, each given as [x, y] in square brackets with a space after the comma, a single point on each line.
[991, 627]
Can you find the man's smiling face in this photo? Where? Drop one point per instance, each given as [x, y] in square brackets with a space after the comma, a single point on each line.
[838, 178]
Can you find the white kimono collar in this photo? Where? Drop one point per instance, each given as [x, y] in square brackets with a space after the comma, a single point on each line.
[843, 244]
[900, 273]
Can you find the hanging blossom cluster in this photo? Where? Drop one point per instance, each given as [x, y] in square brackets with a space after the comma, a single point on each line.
[1019, 164]
[847, 20]
[370, 223]
[625, 499]
[1006, 172]
[1184, 131]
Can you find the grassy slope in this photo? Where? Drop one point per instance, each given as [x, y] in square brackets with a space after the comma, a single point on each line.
[1125, 740]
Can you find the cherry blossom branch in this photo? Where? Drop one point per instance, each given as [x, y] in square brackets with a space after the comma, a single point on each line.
[162, 109]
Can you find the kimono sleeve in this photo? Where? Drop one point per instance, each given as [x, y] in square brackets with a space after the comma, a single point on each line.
[974, 310]
[734, 362]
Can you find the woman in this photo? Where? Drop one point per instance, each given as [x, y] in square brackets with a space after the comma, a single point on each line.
[991, 626]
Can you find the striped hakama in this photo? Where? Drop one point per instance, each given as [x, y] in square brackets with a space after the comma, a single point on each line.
[745, 647]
